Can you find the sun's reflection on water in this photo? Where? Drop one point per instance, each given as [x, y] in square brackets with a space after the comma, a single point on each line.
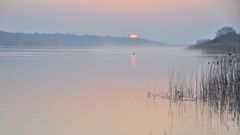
[133, 60]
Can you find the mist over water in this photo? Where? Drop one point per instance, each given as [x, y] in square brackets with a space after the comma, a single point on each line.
[100, 91]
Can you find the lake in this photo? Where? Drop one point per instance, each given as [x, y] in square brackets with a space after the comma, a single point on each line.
[101, 91]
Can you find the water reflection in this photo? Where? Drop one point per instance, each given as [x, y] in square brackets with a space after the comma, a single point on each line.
[94, 92]
[188, 117]
[133, 60]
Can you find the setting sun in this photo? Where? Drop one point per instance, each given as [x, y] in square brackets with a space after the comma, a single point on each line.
[133, 36]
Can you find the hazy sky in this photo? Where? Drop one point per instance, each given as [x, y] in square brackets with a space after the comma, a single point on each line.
[172, 21]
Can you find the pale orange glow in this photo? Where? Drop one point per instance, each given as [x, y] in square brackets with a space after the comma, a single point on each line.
[133, 36]
[118, 6]
[136, 8]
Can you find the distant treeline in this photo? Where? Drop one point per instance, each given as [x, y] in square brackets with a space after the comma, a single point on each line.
[19, 39]
[226, 40]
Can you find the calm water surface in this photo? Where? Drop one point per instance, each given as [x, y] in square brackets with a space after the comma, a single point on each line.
[100, 92]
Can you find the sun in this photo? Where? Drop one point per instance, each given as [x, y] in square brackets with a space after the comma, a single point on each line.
[133, 36]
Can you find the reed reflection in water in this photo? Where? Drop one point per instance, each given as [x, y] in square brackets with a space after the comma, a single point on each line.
[214, 90]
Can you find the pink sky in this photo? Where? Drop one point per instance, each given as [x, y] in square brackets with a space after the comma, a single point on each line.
[174, 21]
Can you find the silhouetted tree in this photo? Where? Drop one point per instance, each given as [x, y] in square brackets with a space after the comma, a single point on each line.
[225, 31]
[226, 39]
